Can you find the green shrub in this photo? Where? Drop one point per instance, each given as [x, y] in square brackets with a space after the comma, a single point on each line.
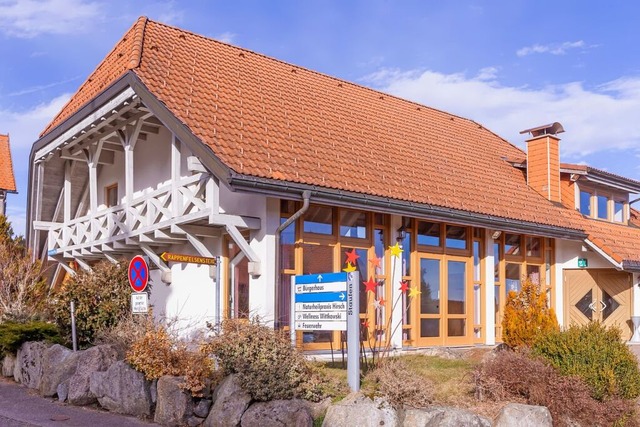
[13, 334]
[527, 316]
[101, 297]
[519, 376]
[268, 367]
[595, 354]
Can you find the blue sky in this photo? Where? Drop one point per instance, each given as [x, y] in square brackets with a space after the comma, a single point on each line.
[509, 65]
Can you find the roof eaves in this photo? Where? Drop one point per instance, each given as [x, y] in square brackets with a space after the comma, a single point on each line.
[400, 207]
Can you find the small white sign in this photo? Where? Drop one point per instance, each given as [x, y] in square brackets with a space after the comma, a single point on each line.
[320, 326]
[321, 287]
[139, 302]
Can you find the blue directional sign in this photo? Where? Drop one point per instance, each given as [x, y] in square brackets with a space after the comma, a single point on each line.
[320, 302]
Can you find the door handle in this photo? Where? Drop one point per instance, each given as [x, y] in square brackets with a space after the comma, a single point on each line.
[603, 305]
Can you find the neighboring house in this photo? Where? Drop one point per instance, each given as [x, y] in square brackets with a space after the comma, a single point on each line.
[7, 180]
[184, 144]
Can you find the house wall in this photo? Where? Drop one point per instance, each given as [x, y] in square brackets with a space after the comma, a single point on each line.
[191, 299]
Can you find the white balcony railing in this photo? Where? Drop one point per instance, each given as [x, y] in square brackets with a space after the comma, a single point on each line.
[184, 201]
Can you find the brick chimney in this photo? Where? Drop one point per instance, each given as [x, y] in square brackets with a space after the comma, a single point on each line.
[543, 160]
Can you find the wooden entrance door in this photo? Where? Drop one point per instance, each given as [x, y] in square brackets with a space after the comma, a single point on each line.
[598, 295]
[444, 305]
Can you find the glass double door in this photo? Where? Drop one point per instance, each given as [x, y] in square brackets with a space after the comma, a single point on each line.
[443, 306]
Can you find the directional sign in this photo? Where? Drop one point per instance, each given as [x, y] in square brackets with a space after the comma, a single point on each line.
[190, 259]
[320, 302]
[138, 273]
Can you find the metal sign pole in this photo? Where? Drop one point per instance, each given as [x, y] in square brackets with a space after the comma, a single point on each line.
[353, 331]
[292, 315]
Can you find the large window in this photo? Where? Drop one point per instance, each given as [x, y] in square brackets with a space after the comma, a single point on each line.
[603, 204]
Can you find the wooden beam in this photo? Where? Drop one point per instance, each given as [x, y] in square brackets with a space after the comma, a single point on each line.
[196, 230]
[155, 258]
[246, 222]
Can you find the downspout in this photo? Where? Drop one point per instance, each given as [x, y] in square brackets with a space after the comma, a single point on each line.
[306, 196]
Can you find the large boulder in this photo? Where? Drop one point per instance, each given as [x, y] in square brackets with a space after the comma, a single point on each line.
[8, 365]
[122, 389]
[94, 359]
[174, 406]
[28, 367]
[441, 416]
[58, 365]
[229, 403]
[520, 415]
[357, 410]
[277, 413]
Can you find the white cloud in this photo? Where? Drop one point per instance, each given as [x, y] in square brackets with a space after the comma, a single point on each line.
[226, 37]
[553, 48]
[30, 18]
[596, 120]
[24, 128]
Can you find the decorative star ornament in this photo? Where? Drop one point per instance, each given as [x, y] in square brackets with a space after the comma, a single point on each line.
[352, 256]
[376, 304]
[404, 286]
[414, 291]
[375, 261]
[349, 268]
[365, 323]
[382, 302]
[370, 285]
[396, 250]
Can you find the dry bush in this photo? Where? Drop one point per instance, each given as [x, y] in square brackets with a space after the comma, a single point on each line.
[517, 376]
[157, 352]
[268, 367]
[527, 316]
[395, 381]
[23, 291]
[122, 335]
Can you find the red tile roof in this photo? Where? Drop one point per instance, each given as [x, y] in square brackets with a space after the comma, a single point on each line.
[265, 118]
[7, 180]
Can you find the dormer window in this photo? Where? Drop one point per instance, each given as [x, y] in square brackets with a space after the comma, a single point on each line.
[604, 205]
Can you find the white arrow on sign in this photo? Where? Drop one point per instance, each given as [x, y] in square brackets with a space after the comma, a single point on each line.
[342, 296]
[319, 277]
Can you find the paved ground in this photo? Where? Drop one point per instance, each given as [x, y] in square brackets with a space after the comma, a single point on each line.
[21, 407]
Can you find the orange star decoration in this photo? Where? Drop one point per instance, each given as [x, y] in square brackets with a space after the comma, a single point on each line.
[396, 250]
[375, 261]
[365, 323]
[370, 285]
[349, 268]
[404, 286]
[382, 302]
[414, 291]
[352, 256]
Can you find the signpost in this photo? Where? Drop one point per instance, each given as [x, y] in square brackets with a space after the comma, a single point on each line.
[138, 273]
[191, 259]
[329, 302]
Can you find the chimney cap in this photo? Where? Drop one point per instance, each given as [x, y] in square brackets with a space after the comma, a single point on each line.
[550, 129]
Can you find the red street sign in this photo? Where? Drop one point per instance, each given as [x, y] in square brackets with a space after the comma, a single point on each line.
[138, 273]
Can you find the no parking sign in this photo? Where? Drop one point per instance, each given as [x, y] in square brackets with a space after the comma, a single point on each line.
[138, 273]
